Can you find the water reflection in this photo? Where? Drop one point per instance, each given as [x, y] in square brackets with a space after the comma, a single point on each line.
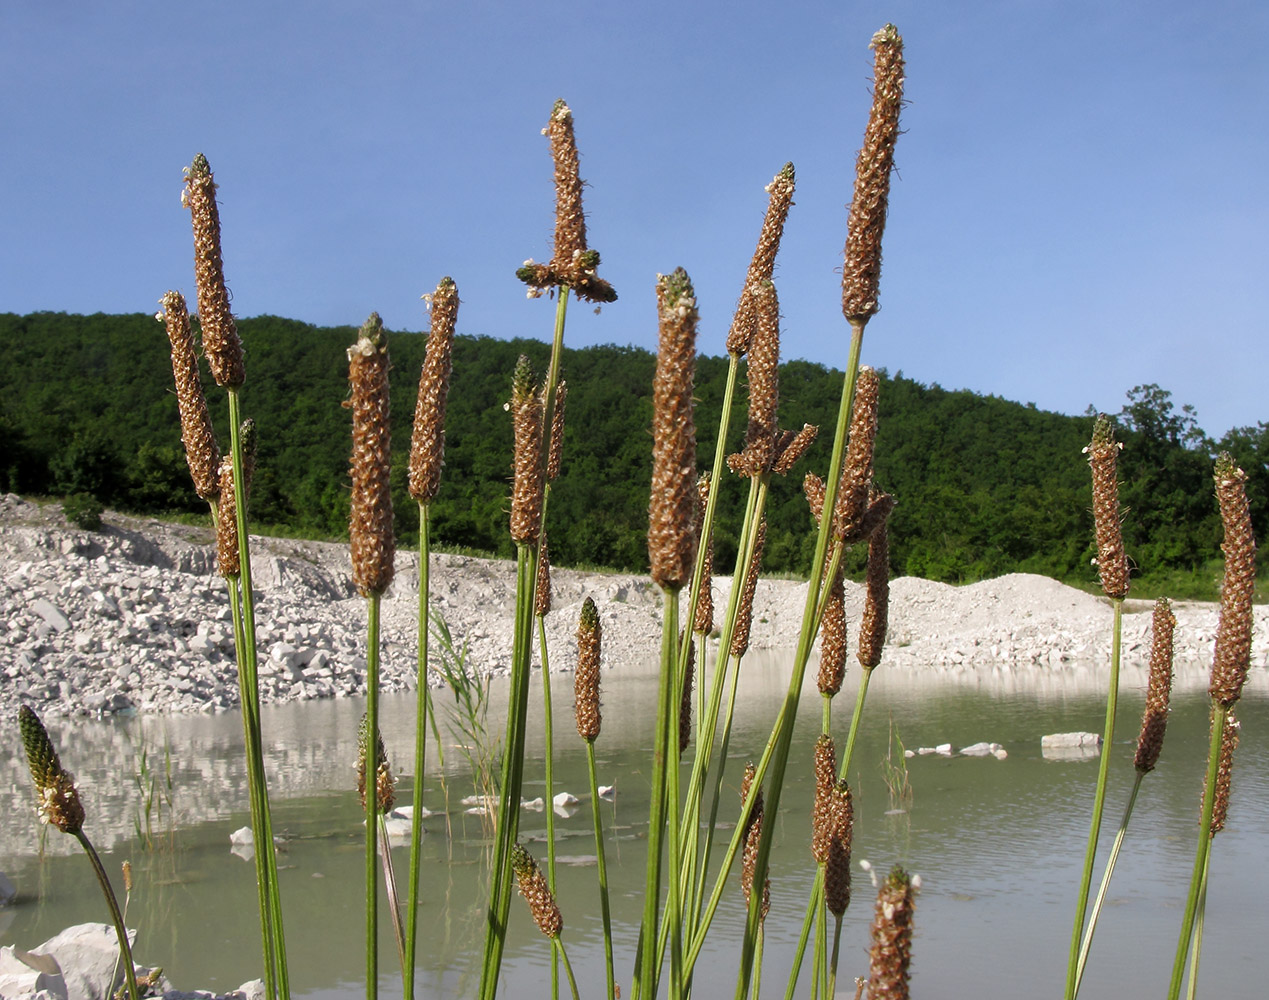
[998, 842]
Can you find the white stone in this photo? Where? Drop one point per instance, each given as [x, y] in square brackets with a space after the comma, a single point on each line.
[87, 955]
[565, 799]
[1056, 740]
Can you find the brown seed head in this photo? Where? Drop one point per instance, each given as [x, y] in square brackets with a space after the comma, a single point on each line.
[1155, 719]
[586, 677]
[370, 536]
[202, 454]
[671, 540]
[527, 482]
[556, 451]
[542, 588]
[861, 274]
[762, 266]
[753, 835]
[536, 892]
[872, 627]
[228, 561]
[685, 703]
[813, 488]
[59, 803]
[891, 954]
[704, 620]
[385, 786]
[793, 446]
[220, 333]
[833, 639]
[427, 440]
[764, 387]
[837, 865]
[824, 759]
[127, 876]
[744, 614]
[856, 478]
[1103, 455]
[1224, 772]
[1232, 655]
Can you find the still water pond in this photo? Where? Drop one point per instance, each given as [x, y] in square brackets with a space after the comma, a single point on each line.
[998, 843]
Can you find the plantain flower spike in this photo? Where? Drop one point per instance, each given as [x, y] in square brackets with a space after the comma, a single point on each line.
[385, 785]
[671, 540]
[1103, 456]
[1232, 655]
[221, 343]
[890, 957]
[856, 477]
[586, 677]
[764, 387]
[824, 760]
[1224, 772]
[752, 839]
[59, 803]
[873, 624]
[536, 892]
[704, 620]
[427, 440]
[555, 453]
[202, 454]
[542, 587]
[861, 274]
[837, 865]
[372, 543]
[744, 613]
[1154, 721]
[228, 559]
[685, 703]
[527, 483]
[762, 266]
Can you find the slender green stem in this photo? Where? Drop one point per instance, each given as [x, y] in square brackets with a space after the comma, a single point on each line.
[390, 887]
[550, 785]
[250, 697]
[1087, 944]
[757, 963]
[832, 967]
[423, 696]
[819, 959]
[125, 950]
[372, 804]
[558, 949]
[507, 824]
[1099, 799]
[646, 973]
[817, 893]
[1219, 716]
[1197, 950]
[604, 908]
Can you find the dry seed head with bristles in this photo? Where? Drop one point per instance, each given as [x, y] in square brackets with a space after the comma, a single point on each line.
[527, 483]
[555, 452]
[792, 446]
[752, 838]
[744, 613]
[671, 539]
[685, 703]
[762, 266]
[861, 274]
[202, 454]
[890, 957]
[833, 631]
[536, 892]
[837, 866]
[1103, 458]
[371, 541]
[824, 761]
[704, 620]
[542, 588]
[127, 876]
[764, 388]
[813, 488]
[221, 343]
[1232, 655]
[59, 803]
[872, 626]
[385, 786]
[856, 476]
[228, 559]
[1154, 721]
[586, 677]
[427, 439]
[1224, 772]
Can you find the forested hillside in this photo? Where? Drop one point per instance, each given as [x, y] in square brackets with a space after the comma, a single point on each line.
[985, 486]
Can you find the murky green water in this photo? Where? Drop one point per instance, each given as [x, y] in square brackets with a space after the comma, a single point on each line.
[998, 843]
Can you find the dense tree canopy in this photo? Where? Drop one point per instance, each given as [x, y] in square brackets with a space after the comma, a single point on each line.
[985, 486]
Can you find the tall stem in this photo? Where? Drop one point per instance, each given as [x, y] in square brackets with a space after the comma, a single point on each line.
[372, 798]
[423, 697]
[550, 785]
[121, 932]
[603, 870]
[1099, 799]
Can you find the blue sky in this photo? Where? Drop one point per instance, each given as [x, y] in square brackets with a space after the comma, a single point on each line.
[1082, 202]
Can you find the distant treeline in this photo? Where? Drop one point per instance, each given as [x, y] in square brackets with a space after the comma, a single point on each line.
[985, 486]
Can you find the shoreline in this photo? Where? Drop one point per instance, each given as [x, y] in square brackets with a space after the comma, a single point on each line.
[134, 618]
